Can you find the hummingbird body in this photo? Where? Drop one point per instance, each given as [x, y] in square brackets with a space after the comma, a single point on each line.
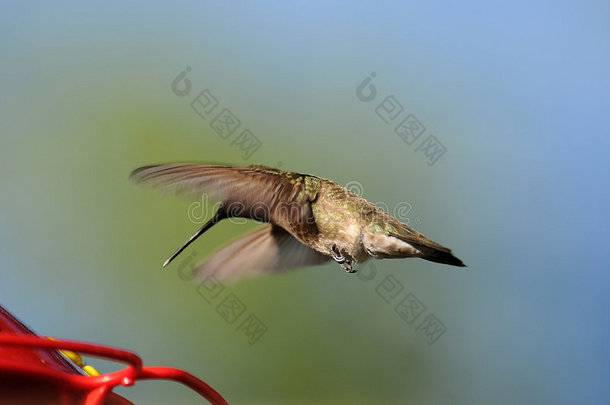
[309, 220]
[346, 220]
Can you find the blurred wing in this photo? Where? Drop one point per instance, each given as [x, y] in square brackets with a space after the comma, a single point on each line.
[242, 190]
[268, 249]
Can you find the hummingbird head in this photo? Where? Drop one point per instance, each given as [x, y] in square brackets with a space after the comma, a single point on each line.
[380, 243]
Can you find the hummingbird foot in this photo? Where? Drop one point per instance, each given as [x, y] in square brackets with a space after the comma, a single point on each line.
[340, 258]
[347, 266]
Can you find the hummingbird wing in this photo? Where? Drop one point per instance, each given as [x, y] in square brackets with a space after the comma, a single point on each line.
[255, 191]
[267, 249]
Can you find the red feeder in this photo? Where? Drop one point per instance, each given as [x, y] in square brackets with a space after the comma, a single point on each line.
[37, 370]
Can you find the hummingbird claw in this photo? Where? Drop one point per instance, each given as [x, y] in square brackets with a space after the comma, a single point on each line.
[347, 266]
[340, 258]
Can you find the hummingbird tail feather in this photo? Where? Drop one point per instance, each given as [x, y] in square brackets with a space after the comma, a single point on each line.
[434, 252]
[439, 256]
[431, 251]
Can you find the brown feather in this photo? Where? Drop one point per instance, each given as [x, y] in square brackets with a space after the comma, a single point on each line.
[256, 191]
[267, 249]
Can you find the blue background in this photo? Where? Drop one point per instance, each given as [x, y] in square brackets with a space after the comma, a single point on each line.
[516, 92]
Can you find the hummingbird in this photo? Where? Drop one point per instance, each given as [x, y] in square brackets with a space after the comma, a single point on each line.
[307, 220]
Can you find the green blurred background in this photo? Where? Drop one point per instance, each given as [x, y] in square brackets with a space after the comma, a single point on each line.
[516, 92]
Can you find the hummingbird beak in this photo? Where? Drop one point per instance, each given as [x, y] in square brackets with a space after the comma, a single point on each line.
[217, 217]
